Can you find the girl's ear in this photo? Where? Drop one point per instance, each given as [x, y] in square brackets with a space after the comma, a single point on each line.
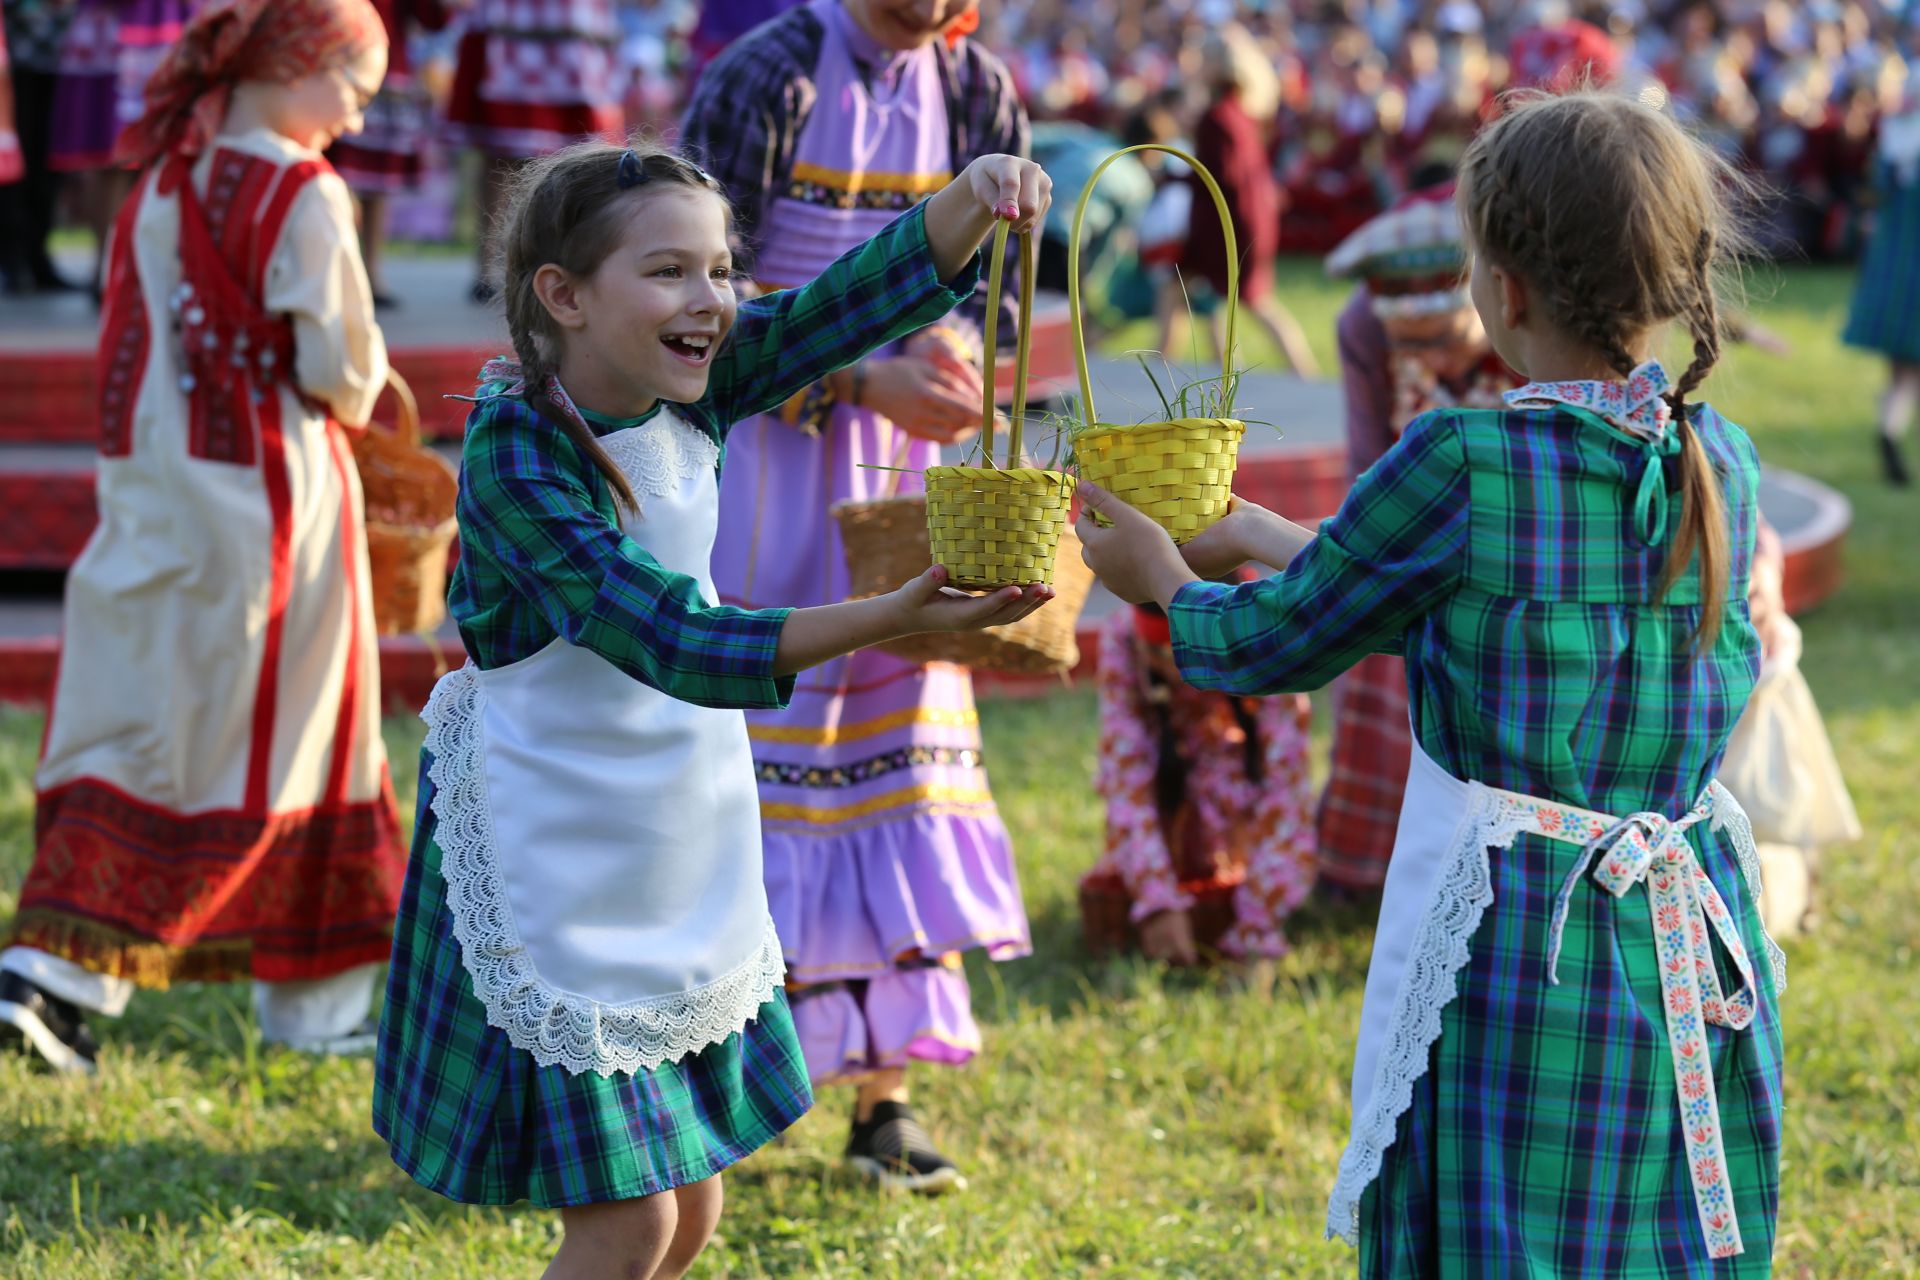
[560, 295]
[1515, 299]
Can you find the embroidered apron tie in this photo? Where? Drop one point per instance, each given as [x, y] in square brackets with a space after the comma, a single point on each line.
[1684, 904]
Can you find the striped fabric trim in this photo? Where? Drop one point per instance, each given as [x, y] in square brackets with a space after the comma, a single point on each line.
[936, 796]
[854, 182]
[856, 772]
[832, 735]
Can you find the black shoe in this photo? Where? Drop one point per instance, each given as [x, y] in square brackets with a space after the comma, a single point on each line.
[891, 1148]
[35, 1021]
[1892, 462]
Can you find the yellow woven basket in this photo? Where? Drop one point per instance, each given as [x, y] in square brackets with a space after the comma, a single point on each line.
[997, 526]
[1180, 472]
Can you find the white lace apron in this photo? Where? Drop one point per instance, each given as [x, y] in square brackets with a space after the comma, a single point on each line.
[1438, 886]
[601, 840]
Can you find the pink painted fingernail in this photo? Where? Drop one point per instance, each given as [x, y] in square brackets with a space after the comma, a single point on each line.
[1009, 210]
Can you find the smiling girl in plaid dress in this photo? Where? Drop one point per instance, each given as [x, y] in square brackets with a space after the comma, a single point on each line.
[1569, 1060]
[585, 1007]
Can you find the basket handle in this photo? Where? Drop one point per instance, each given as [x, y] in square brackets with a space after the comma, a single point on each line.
[1023, 347]
[1073, 267]
[406, 427]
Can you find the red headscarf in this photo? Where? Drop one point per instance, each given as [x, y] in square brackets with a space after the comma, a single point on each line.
[228, 41]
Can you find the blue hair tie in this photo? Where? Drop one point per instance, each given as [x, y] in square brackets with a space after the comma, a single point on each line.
[1650, 502]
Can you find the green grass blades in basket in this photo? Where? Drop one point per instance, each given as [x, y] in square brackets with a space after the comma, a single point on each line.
[1178, 470]
[994, 526]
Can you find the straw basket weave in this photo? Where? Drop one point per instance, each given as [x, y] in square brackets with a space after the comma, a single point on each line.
[409, 494]
[889, 542]
[995, 526]
[887, 546]
[1180, 472]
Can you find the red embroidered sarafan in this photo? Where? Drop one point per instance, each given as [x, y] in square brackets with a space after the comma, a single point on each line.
[127, 888]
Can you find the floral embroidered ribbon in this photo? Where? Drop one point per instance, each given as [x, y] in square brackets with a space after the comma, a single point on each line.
[1638, 407]
[1683, 902]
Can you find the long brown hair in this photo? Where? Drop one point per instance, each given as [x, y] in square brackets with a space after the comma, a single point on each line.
[1621, 222]
[570, 209]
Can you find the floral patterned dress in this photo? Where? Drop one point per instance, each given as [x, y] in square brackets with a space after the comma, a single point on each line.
[1232, 821]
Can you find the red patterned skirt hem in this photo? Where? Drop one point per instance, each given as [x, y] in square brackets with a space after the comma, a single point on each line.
[127, 888]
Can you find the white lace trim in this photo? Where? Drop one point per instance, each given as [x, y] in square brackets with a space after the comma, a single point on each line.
[661, 454]
[1461, 896]
[559, 1028]
[1730, 817]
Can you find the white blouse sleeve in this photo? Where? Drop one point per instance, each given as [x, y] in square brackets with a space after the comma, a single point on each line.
[317, 278]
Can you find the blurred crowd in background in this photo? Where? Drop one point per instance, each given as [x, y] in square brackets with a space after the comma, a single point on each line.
[1357, 101]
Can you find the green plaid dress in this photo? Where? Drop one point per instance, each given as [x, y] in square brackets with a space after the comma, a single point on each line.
[542, 556]
[1501, 553]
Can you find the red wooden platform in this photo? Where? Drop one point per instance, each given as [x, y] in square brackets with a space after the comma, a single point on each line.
[47, 465]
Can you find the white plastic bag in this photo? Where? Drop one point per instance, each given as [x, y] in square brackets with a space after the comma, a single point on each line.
[1779, 764]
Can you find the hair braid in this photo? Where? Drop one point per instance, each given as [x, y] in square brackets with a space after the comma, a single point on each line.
[1576, 297]
[536, 369]
[1703, 523]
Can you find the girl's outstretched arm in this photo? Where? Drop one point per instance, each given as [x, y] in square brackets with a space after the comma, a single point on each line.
[916, 270]
[1396, 549]
[820, 634]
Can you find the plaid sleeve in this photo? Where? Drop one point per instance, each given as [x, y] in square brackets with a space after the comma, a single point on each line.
[528, 507]
[1395, 550]
[872, 294]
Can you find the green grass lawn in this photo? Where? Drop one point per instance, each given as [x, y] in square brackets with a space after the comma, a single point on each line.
[1123, 1121]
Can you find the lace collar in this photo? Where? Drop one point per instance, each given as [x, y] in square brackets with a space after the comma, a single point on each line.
[1637, 406]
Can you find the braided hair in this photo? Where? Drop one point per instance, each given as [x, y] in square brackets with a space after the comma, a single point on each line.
[1620, 222]
[570, 209]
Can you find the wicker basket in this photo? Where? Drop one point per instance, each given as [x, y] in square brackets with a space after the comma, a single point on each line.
[1179, 472]
[995, 526]
[886, 545]
[409, 495]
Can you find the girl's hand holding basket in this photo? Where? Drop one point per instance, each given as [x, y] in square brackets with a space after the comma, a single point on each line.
[1133, 556]
[926, 605]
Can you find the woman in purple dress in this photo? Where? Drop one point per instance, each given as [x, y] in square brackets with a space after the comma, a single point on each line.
[885, 855]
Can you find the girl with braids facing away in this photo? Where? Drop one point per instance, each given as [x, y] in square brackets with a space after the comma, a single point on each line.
[585, 1006]
[1569, 1058]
